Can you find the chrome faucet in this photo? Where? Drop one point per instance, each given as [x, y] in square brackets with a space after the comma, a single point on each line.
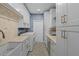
[2, 34]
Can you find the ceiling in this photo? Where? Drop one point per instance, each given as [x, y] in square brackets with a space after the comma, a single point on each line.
[39, 8]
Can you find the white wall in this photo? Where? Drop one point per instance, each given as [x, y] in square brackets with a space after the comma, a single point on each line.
[26, 15]
[38, 27]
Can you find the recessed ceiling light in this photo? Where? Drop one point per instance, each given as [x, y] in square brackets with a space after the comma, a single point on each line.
[38, 9]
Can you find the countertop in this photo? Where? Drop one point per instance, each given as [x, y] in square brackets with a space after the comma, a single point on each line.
[28, 33]
[16, 39]
[51, 37]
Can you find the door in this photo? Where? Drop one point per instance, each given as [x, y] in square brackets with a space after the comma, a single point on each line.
[38, 29]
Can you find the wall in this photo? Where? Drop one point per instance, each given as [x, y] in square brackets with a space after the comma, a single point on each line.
[38, 27]
[8, 23]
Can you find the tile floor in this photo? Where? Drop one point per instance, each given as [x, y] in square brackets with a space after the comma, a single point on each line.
[39, 49]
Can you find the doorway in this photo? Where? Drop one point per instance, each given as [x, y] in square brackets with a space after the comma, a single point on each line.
[38, 27]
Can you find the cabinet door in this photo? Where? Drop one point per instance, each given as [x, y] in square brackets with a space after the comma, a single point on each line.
[73, 13]
[60, 46]
[61, 43]
[17, 51]
[25, 47]
[31, 44]
[61, 14]
[73, 44]
[52, 48]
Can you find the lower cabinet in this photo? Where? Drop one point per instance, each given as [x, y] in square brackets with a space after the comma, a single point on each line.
[3, 49]
[73, 44]
[51, 47]
[17, 51]
[31, 43]
[67, 42]
[61, 43]
[17, 48]
[25, 47]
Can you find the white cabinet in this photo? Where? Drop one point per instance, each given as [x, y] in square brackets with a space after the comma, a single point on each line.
[67, 35]
[52, 48]
[32, 42]
[17, 51]
[51, 44]
[25, 22]
[3, 49]
[18, 48]
[61, 43]
[73, 13]
[73, 42]
[25, 47]
[67, 14]
[61, 14]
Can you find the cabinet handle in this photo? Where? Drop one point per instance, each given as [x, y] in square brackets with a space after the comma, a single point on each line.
[64, 34]
[63, 19]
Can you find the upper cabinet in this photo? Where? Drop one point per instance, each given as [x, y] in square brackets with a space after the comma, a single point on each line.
[67, 14]
[73, 13]
[53, 17]
[25, 20]
[61, 14]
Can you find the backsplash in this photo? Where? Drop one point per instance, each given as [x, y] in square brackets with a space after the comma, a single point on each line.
[8, 23]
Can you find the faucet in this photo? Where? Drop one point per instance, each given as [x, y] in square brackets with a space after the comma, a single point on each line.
[2, 34]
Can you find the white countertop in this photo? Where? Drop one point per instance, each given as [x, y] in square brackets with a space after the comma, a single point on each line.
[51, 37]
[16, 39]
[28, 33]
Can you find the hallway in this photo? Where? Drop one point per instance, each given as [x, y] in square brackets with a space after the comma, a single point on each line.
[39, 49]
